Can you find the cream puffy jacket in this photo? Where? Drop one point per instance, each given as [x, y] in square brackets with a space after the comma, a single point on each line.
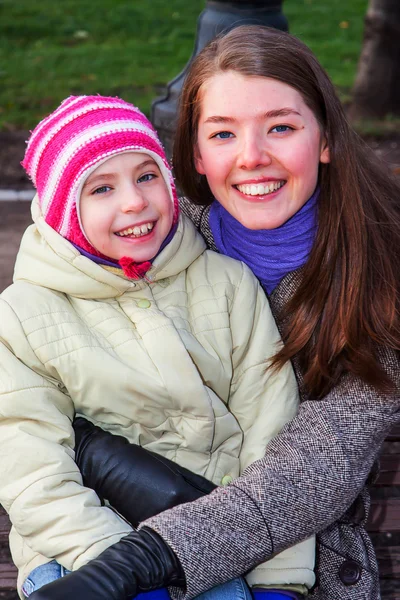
[176, 364]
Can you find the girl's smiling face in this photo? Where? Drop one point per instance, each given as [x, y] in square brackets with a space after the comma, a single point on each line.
[126, 208]
[260, 146]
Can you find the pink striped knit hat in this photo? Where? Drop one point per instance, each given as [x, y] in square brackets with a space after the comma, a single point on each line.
[69, 144]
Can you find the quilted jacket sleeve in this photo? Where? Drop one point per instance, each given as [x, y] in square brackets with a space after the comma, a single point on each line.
[41, 486]
[263, 400]
[311, 472]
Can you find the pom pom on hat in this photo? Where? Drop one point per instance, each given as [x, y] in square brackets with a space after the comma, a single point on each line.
[69, 144]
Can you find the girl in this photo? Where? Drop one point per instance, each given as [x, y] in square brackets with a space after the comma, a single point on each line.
[119, 313]
[274, 175]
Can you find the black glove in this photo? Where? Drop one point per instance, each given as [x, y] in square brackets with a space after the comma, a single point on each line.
[139, 562]
[138, 483]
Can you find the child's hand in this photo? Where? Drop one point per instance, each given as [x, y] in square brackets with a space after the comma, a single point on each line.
[141, 561]
[138, 483]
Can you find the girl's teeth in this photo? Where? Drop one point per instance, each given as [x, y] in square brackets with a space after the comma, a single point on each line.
[260, 189]
[137, 231]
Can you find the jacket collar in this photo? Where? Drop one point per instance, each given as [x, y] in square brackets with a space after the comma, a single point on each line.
[47, 259]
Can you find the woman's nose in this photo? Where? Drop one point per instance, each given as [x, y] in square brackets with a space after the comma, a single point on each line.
[133, 200]
[253, 153]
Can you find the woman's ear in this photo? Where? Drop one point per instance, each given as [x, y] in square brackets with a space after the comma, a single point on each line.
[198, 161]
[325, 156]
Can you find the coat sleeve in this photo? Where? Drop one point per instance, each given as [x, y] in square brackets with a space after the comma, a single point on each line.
[263, 400]
[41, 486]
[311, 473]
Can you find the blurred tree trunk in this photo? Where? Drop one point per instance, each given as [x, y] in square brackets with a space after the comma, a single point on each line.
[376, 91]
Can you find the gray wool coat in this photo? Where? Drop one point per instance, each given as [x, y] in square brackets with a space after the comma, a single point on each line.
[312, 479]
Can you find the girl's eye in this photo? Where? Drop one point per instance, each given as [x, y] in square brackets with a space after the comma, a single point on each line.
[102, 190]
[222, 135]
[146, 177]
[281, 129]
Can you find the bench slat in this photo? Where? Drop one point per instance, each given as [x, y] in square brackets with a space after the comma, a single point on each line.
[4, 527]
[384, 515]
[389, 472]
[389, 561]
[394, 435]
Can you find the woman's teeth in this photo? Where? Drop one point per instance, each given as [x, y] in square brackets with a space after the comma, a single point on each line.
[137, 231]
[260, 189]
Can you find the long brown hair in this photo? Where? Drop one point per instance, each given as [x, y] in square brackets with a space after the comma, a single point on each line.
[347, 304]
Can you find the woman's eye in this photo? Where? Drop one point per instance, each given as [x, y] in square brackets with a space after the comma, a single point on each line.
[281, 129]
[102, 190]
[146, 177]
[223, 135]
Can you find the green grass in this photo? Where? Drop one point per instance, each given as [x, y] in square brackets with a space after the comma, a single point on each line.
[132, 48]
[333, 29]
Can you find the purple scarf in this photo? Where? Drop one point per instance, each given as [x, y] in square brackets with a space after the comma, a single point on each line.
[270, 253]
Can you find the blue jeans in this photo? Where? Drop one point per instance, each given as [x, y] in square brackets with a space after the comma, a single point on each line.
[233, 590]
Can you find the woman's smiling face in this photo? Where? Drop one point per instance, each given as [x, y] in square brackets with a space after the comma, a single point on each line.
[260, 146]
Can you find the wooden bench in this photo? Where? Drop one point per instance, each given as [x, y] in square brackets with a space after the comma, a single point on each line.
[383, 525]
[384, 518]
[8, 573]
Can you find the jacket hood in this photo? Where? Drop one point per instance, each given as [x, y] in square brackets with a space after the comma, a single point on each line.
[47, 259]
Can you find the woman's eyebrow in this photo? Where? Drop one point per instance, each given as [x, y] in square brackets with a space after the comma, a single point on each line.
[270, 114]
[218, 119]
[281, 112]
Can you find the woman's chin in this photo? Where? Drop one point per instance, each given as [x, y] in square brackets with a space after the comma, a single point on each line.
[257, 222]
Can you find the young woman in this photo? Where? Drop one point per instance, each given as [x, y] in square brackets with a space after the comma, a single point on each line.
[274, 175]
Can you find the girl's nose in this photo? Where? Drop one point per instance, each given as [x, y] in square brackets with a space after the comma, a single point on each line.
[133, 200]
[253, 153]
